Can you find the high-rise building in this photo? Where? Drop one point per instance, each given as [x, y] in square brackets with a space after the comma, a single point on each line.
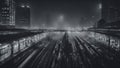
[7, 12]
[111, 10]
[22, 14]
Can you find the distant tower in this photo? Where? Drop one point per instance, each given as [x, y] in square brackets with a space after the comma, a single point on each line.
[7, 12]
[23, 14]
[111, 10]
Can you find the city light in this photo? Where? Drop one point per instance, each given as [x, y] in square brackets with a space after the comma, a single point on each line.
[22, 6]
[61, 17]
[100, 6]
[28, 6]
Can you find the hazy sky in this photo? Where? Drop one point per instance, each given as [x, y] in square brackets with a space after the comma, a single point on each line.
[64, 13]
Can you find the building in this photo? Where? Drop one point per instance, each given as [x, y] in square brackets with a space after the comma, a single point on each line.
[110, 10]
[22, 14]
[7, 12]
[110, 15]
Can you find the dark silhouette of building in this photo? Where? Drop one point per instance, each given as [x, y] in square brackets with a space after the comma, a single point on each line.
[22, 14]
[110, 17]
[111, 10]
[100, 24]
[7, 12]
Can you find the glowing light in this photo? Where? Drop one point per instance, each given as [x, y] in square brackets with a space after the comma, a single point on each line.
[100, 6]
[61, 17]
[28, 6]
[22, 6]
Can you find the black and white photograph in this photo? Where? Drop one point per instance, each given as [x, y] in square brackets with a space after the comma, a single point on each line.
[59, 33]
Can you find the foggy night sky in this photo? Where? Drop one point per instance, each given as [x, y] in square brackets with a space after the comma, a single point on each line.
[64, 13]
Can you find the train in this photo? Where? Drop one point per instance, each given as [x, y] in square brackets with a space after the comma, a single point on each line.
[110, 41]
[8, 50]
